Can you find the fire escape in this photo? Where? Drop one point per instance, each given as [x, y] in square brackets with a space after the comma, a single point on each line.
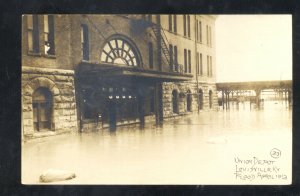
[162, 38]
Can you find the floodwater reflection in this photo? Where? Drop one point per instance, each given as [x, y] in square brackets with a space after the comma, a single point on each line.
[194, 149]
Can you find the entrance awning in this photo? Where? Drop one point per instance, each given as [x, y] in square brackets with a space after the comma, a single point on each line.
[113, 70]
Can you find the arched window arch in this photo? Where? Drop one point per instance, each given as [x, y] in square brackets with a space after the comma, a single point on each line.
[119, 51]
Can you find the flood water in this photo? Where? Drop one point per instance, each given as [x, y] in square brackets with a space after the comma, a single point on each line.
[194, 149]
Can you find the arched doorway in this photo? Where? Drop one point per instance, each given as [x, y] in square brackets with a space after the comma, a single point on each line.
[42, 109]
[210, 99]
[175, 101]
[200, 99]
[188, 101]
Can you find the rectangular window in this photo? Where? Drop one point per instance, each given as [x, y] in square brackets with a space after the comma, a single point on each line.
[33, 33]
[207, 36]
[175, 23]
[184, 25]
[185, 61]
[170, 23]
[201, 65]
[210, 36]
[197, 63]
[171, 57]
[150, 47]
[200, 31]
[189, 61]
[85, 42]
[208, 65]
[175, 58]
[49, 34]
[211, 71]
[189, 26]
[197, 32]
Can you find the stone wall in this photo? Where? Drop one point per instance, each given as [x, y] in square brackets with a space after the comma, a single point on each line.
[61, 85]
[182, 89]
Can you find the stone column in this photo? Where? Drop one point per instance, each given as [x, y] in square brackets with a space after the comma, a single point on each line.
[223, 99]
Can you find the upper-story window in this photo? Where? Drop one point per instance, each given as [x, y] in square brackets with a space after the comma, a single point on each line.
[201, 64]
[171, 57]
[49, 34]
[197, 63]
[208, 35]
[209, 28]
[119, 51]
[176, 58]
[85, 42]
[185, 61]
[150, 48]
[211, 69]
[173, 23]
[33, 33]
[209, 66]
[198, 31]
[189, 61]
[186, 26]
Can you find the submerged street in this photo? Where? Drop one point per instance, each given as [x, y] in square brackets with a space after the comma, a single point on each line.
[192, 149]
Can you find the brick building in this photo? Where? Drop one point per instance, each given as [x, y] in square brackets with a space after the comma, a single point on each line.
[88, 72]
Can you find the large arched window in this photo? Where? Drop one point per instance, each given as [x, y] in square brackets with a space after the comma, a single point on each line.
[119, 51]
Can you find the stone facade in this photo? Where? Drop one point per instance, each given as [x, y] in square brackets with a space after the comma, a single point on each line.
[61, 85]
[182, 88]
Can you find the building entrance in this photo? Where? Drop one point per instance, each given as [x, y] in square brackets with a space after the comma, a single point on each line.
[113, 102]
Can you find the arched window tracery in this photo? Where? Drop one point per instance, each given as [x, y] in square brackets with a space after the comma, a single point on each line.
[119, 51]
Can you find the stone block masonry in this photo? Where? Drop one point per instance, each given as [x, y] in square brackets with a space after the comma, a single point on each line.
[182, 88]
[63, 107]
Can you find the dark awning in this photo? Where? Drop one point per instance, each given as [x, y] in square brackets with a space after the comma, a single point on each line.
[111, 70]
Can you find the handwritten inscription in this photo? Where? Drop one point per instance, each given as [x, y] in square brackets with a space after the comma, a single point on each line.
[256, 168]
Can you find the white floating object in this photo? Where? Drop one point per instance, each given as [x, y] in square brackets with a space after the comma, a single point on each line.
[52, 175]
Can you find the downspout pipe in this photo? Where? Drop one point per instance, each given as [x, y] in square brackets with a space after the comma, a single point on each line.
[197, 84]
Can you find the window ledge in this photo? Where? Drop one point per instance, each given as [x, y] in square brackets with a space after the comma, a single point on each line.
[50, 56]
[41, 55]
[38, 54]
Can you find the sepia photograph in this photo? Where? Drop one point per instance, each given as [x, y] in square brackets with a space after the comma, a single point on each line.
[156, 99]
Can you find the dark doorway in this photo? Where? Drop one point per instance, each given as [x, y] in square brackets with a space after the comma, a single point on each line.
[188, 101]
[210, 99]
[42, 109]
[175, 101]
[200, 99]
[112, 115]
